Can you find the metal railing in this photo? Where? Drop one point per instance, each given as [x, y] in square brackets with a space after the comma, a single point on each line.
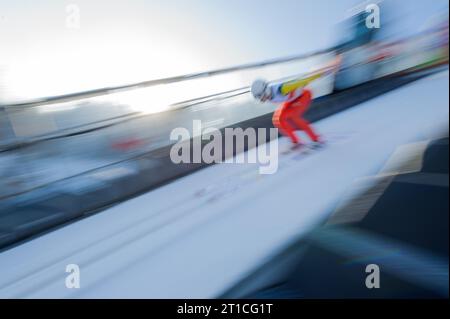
[168, 80]
[129, 116]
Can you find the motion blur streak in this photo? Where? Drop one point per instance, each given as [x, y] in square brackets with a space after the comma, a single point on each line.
[86, 178]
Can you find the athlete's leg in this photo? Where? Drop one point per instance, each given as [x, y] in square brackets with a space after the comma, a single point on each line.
[305, 126]
[300, 106]
[281, 121]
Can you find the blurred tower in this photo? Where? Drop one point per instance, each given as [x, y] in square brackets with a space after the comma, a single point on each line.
[357, 47]
[7, 134]
[356, 31]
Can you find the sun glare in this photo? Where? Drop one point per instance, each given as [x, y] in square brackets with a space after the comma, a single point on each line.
[93, 67]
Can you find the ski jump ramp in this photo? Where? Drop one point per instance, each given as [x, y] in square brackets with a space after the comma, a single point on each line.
[199, 235]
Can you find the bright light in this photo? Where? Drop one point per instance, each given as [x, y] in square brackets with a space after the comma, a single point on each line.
[95, 66]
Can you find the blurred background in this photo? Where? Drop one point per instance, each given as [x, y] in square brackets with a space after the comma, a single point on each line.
[90, 91]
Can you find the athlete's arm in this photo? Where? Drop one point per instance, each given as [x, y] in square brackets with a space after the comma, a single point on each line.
[291, 86]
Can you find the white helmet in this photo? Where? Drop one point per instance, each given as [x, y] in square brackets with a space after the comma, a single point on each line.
[260, 90]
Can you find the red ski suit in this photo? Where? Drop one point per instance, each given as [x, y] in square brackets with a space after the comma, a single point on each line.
[288, 117]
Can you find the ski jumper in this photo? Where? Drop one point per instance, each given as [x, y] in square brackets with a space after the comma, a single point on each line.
[295, 100]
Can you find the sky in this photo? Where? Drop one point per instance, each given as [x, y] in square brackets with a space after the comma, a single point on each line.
[119, 42]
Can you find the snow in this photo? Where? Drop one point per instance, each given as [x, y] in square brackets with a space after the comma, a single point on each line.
[200, 234]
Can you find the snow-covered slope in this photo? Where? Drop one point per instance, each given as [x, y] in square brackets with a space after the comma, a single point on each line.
[198, 235]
